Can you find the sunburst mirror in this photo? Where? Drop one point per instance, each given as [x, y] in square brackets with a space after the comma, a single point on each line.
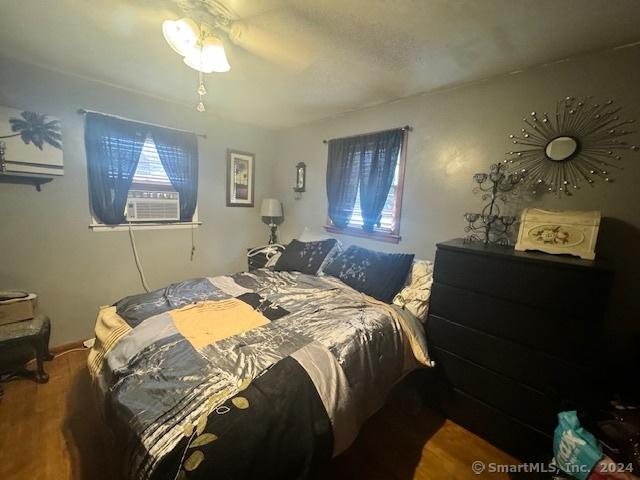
[577, 145]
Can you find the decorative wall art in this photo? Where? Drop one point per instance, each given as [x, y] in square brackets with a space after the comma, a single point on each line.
[301, 180]
[576, 146]
[31, 143]
[240, 178]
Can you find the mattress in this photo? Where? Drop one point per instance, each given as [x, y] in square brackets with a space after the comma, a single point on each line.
[253, 375]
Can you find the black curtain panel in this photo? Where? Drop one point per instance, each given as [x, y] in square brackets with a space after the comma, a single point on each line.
[377, 168]
[343, 171]
[113, 149]
[178, 152]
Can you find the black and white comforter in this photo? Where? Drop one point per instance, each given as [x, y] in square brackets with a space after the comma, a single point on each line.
[254, 375]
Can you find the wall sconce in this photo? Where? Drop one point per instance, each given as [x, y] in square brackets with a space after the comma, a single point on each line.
[301, 180]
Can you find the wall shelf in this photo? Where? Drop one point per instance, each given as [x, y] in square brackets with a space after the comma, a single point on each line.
[25, 179]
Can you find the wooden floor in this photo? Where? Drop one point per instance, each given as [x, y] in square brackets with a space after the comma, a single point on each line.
[52, 431]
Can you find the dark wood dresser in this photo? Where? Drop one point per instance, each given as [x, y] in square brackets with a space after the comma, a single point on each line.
[515, 340]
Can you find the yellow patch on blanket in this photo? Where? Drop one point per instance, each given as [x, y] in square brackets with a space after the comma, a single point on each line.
[110, 327]
[204, 323]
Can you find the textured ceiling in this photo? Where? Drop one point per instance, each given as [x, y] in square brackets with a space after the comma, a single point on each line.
[299, 61]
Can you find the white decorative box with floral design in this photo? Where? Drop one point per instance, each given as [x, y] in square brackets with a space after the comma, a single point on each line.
[557, 231]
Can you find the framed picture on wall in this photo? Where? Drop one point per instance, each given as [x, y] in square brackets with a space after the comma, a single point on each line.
[30, 143]
[240, 178]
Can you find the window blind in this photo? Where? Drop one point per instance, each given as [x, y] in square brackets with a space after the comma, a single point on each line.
[150, 170]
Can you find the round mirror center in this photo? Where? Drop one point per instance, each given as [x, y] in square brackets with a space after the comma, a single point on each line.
[561, 148]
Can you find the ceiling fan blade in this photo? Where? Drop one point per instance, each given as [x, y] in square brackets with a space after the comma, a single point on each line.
[265, 29]
[293, 53]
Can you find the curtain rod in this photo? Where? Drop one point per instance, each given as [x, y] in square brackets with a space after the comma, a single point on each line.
[406, 128]
[82, 111]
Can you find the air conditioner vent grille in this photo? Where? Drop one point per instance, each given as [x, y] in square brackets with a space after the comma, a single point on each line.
[152, 206]
[161, 209]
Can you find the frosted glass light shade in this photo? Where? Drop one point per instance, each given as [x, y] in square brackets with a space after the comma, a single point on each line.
[271, 207]
[210, 58]
[182, 35]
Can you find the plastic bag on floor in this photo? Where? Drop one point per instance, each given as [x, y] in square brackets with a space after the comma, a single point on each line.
[577, 452]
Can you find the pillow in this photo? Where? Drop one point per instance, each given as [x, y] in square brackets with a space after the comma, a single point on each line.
[335, 251]
[331, 256]
[304, 257]
[414, 297]
[309, 235]
[380, 275]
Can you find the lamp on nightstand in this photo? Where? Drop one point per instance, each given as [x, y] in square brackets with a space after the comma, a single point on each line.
[271, 212]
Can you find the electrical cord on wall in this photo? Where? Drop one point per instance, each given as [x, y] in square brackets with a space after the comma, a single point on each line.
[193, 243]
[137, 259]
[59, 354]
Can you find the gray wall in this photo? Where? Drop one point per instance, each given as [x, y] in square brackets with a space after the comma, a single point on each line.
[46, 245]
[461, 131]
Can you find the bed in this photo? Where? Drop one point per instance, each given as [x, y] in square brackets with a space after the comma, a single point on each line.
[259, 374]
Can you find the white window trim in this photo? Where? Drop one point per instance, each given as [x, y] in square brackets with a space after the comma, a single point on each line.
[123, 227]
[96, 226]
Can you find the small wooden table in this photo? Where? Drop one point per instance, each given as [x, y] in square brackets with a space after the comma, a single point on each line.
[23, 341]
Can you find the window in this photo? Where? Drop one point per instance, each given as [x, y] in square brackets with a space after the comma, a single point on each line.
[388, 219]
[150, 172]
[141, 174]
[388, 227]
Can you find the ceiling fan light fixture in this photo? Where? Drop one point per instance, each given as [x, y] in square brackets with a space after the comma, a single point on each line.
[182, 35]
[200, 49]
[195, 61]
[213, 54]
[211, 57]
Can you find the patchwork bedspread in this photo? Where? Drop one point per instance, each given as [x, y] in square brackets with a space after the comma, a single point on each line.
[254, 375]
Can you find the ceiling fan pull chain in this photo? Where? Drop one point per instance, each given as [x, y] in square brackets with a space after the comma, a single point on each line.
[201, 89]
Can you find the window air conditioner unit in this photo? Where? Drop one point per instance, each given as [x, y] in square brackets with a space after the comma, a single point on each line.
[152, 206]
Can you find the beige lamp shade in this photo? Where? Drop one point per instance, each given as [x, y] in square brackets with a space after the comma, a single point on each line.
[271, 207]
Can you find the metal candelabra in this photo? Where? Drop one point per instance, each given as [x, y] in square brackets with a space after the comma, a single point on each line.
[489, 226]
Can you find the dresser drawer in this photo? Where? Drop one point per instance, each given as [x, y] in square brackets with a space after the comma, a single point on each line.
[544, 285]
[520, 440]
[551, 375]
[558, 333]
[515, 399]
